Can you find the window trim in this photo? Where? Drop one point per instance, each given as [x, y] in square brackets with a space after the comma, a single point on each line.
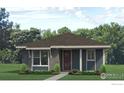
[94, 55]
[91, 59]
[40, 59]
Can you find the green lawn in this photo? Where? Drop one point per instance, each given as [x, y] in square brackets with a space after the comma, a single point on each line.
[10, 72]
[81, 77]
[115, 68]
[114, 72]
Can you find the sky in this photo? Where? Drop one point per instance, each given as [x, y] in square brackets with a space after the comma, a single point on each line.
[57, 16]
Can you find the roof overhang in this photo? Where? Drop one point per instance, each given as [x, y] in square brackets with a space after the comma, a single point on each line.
[47, 48]
[38, 48]
[20, 46]
[104, 46]
[33, 48]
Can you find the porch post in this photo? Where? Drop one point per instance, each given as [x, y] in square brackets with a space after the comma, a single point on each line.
[103, 56]
[80, 59]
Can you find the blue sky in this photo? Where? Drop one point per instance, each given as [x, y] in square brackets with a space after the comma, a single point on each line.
[72, 17]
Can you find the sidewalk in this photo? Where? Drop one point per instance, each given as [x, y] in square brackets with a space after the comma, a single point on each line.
[56, 77]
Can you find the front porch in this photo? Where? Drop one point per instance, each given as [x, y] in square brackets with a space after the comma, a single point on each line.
[79, 59]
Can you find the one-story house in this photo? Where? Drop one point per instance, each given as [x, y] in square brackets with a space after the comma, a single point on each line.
[68, 50]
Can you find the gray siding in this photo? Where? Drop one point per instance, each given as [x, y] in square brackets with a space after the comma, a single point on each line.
[60, 58]
[75, 59]
[40, 68]
[25, 58]
[83, 60]
[54, 58]
[99, 58]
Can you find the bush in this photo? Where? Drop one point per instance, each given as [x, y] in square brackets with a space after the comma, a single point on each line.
[103, 69]
[23, 69]
[98, 72]
[88, 73]
[52, 71]
[57, 68]
[74, 72]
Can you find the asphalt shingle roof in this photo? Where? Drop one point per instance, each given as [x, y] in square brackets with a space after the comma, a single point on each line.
[66, 39]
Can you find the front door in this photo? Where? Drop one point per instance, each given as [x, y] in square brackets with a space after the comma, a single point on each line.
[67, 60]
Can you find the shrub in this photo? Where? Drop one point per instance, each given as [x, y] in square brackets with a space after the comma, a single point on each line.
[70, 73]
[98, 72]
[103, 69]
[52, 71]
[74, 72]
[57, 68]
[23, 69]
[88, 73]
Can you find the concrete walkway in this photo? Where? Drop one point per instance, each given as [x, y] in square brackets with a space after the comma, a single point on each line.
[56, 77]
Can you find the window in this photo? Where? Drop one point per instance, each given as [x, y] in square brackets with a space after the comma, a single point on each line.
[90, 64]
[36, 57]
[91, 54]
[44, 58]
[40, 57]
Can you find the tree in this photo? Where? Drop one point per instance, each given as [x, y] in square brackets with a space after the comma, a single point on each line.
[5, 29]
[48, 33]
[25, 36]
[83, 32]
[63, 30]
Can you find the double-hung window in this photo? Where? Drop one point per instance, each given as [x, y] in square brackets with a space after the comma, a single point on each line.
[40, 58]
[91, 59]
[36, 57]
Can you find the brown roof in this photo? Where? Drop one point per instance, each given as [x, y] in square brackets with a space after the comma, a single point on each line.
[66, 39]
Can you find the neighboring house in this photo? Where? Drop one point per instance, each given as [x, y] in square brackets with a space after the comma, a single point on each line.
[68, 50]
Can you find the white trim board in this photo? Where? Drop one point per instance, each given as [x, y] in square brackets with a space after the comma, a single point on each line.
[103, 56]
[20, 46]
[47, 48]
[106, 46]
[80, 53]
[37, 48]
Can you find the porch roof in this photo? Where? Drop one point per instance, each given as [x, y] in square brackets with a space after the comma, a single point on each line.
[68, 40]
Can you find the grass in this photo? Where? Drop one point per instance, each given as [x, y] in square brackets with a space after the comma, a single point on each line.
[115, 68]
[116, 72]
[81, 77]
[10, 72]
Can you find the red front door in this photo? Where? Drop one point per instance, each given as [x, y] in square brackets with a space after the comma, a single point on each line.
[67, 60]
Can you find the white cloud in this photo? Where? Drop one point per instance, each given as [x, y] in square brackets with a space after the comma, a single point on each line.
[61, 3]
[85, 17]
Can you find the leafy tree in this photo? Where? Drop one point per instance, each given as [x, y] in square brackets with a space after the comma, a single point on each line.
[48, 33]
[83, 32]
[25, 36]
[63, 30]
[5, 29]
[8, 56]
